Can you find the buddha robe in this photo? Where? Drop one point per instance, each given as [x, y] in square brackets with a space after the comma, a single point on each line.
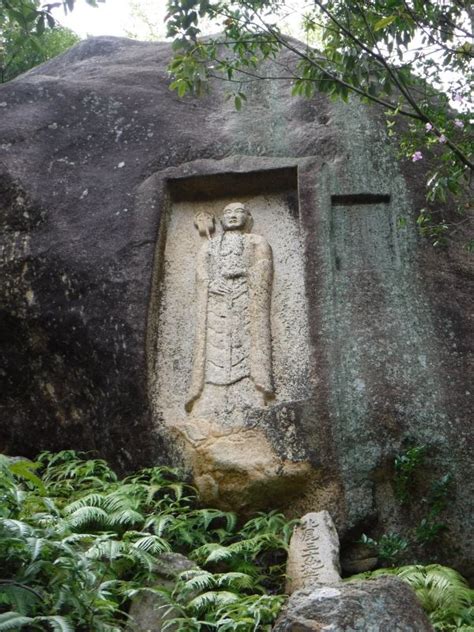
[233, 298]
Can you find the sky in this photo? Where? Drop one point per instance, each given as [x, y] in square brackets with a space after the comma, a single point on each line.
[140, 19]
[116, 17]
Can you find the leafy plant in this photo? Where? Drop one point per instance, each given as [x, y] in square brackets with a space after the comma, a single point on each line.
[77, 543]
[389, 548]
[444, 594]
[225, 601]
[406, 464]
[429, 527]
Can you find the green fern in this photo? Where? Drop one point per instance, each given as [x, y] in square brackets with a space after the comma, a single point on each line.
[204, 601]
[19, 596]
[15, 621]
[443, 593]
[194, 580]
[76, 544]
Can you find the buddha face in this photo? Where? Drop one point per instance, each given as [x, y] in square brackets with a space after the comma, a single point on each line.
[235, 217]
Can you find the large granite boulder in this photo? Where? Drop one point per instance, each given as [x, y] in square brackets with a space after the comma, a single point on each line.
[368, 606]
[100, 163]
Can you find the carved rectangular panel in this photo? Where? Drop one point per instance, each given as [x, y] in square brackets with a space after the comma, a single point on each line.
[363, 233]
[272, 202]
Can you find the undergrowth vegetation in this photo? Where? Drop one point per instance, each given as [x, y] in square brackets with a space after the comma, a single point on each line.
[431, 505]
[442, 591]
[77, 544]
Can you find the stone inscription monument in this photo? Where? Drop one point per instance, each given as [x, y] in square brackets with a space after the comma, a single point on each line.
[232, 357]
[313, 556]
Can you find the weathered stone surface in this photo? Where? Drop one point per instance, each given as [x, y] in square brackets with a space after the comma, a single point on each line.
[358, 558]
[368, 606]
[146, 611]
[313, 556]
[237, 468]
[95, 154]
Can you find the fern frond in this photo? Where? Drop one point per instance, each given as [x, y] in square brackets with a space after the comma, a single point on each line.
[36, 546]
[22, 597]
[88, 515]
[17, 527]
[442, 591]
[207, 516]
[237, 581]
[130, 593]
[122, 500]
[159, 523]
[142, 558]
[195, 580]
[152, 544]
[13, 621]
[253, 609]
[212, 598]
[105, 549]
[125, 517]
[212, 553]
[90, 500]
[57, 623]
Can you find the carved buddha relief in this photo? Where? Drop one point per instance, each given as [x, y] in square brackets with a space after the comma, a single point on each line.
[232, 357]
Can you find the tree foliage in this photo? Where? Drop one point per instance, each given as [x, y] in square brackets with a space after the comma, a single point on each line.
[30, 34]
[19, 54]
[410, 57]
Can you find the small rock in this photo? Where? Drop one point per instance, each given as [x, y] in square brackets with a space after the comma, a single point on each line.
[146, 612]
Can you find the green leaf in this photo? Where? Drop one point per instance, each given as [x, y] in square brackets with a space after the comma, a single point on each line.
[384, 22]
[23, 469]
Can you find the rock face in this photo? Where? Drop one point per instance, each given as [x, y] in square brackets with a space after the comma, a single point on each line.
[369, 606]
[102, 170]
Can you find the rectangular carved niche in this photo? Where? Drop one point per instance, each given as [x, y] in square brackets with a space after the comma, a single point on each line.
[272, 198]
[363, 233]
